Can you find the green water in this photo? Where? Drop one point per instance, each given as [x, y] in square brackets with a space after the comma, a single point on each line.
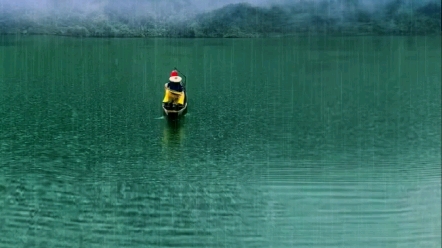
[294, 142]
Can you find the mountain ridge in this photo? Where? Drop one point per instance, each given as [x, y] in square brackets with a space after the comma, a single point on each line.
[235, 20]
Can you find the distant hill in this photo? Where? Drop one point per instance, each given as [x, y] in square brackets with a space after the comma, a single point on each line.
[339, 17]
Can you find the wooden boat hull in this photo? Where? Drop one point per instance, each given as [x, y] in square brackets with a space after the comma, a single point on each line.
[173, 112]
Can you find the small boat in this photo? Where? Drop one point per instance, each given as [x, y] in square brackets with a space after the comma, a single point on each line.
[171, 110]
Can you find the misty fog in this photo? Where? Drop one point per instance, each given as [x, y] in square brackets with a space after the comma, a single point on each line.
[228, 18]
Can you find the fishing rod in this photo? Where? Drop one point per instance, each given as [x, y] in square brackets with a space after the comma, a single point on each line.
[184, 76]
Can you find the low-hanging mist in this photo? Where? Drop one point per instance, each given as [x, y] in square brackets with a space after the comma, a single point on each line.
[230, 18]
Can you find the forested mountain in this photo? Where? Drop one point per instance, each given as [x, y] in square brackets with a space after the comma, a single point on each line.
[186, 18]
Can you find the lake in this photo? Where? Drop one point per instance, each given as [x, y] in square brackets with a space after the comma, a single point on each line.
[288, 142]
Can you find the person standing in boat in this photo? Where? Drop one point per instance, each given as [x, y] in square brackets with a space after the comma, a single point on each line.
[174, 89]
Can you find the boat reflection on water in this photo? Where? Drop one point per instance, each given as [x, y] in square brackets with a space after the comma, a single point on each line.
[173, 136]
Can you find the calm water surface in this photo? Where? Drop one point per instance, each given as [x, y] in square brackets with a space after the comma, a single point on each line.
[293, 142]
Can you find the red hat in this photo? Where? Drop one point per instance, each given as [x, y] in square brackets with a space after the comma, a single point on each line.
[174, 73]
[174, 77]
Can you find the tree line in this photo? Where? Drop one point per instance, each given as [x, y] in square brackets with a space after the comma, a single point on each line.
[232, 21]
